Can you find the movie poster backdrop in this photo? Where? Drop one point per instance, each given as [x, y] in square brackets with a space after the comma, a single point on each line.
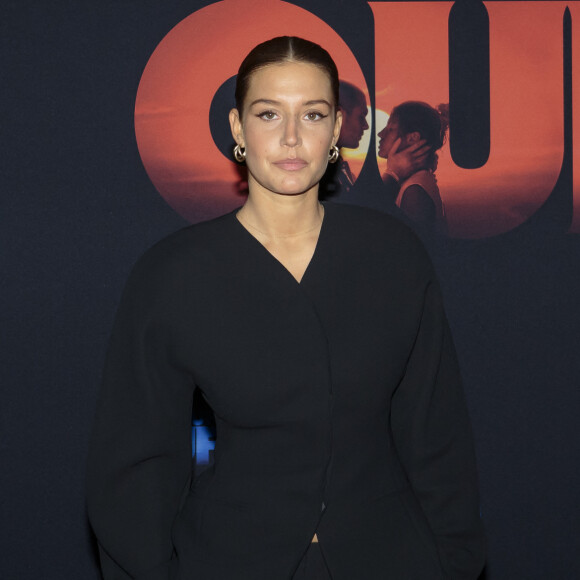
[515, 95]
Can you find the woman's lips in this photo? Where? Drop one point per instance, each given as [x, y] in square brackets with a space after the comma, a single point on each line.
[291, 164]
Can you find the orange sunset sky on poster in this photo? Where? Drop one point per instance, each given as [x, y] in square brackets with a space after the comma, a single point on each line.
[527, 127]
[411, 62]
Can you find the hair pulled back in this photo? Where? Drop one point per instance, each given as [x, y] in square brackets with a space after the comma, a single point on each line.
[280, 50]
[430, 123]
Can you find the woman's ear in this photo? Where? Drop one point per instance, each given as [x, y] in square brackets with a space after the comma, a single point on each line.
[236, 127]
[413, 137]
[337, 127]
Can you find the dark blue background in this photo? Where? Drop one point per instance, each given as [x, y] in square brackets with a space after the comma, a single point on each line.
[77, 210]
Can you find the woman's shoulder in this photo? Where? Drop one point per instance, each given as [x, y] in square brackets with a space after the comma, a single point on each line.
[376, 231]
[381, 246]
[421, 177]
[189, 249]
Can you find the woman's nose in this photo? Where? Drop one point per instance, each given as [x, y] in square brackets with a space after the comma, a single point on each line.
[291, 135]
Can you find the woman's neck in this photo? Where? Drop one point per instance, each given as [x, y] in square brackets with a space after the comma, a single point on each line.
[282, 216]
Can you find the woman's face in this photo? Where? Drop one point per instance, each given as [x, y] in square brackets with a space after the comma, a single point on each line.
[388, 136]
[287, 127]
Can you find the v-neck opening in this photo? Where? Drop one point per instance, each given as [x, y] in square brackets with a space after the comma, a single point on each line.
[273, 257]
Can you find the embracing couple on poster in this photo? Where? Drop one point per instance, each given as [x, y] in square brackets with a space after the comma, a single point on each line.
[409, 142]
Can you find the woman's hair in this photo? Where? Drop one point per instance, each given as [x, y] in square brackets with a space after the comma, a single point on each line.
[284, 49]
[430, 123]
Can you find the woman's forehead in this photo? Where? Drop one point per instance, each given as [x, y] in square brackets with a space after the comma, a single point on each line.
[289, 79]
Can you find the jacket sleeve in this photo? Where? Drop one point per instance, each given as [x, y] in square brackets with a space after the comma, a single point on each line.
[433, 438]
[140, 452]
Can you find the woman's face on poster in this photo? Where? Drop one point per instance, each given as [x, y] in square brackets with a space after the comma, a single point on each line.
[287, 126]
[388, 136]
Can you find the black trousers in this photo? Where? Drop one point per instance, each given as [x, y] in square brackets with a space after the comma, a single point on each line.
[312, 566]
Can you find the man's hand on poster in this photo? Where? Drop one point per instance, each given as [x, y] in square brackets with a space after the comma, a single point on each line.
[402, 164]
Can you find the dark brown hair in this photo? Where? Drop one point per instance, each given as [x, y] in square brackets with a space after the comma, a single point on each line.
[284, 49]
[429, 122]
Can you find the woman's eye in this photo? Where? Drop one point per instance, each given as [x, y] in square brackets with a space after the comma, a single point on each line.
[267, 115]
[314, 116]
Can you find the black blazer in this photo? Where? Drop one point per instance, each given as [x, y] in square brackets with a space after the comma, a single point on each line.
[338, 404]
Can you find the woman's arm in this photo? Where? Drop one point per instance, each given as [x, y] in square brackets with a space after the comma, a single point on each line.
[433, 438]
[140, 453]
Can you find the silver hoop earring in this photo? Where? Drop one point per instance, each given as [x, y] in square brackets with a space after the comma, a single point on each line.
[240, 153]
[333, 154]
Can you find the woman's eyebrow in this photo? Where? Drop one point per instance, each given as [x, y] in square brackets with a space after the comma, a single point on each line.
[318, 102]
[277, 103]
[264, 101]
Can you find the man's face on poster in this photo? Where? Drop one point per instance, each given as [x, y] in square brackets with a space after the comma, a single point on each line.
[354, 124]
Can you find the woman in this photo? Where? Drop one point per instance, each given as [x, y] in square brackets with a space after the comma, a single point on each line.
[419, 197]
[343, 445]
